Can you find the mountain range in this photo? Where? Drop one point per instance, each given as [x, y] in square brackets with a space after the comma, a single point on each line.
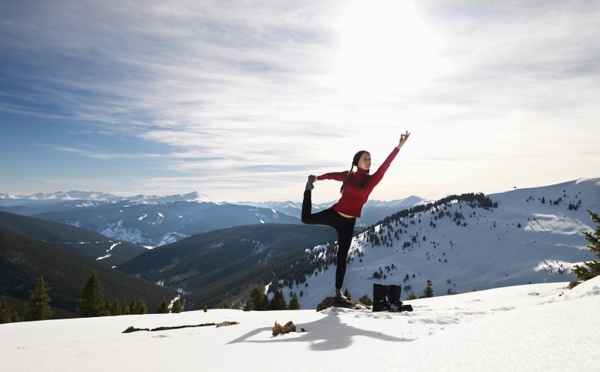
[74, 195]
[461, 243]
[152, 221]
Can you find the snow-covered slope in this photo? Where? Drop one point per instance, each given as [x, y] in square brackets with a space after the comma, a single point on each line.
[538, 327]
[533, 236]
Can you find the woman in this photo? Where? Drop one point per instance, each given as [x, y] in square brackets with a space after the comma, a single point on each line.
[355, 190]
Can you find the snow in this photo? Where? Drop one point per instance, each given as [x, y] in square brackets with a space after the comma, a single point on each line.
[108, 254]
[536, 327]
[516, 327]
[490, 251]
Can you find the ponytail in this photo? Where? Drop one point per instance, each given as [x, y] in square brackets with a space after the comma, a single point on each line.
[346, 179]
[355, 161]
[348, 176]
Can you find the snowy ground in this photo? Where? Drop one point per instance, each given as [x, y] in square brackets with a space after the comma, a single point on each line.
[537, 327]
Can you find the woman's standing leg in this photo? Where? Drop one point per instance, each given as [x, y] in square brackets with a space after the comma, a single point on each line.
[344, 228]
[345, 232]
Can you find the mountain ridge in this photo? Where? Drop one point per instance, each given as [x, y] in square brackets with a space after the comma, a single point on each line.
[75, 195]
[23, 259]
[156, 221]
[209, 265]
[85, 243]
[533, 235]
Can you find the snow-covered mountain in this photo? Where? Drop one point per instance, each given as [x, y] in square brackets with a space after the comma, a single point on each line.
[373, 211]
[158, 220]
[93, 196]
[143, 220]
[531, 236]
[156, 224]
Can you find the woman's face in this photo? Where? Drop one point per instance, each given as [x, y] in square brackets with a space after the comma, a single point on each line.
[364, 162]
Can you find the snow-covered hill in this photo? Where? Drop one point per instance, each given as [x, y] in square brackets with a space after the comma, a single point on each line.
[538, 327]
[533, 236]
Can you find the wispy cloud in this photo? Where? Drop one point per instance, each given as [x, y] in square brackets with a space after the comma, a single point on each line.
[108, 155]
[224, 91]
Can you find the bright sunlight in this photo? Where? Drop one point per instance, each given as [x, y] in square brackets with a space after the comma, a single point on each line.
[386, 49]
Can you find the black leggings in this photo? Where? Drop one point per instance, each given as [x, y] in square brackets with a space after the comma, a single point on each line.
[344, 227]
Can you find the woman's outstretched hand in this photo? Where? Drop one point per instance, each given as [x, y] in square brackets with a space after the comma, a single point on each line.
[403, 139]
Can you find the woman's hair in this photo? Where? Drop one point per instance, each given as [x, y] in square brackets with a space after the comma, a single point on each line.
[355, 161]
[356, 158]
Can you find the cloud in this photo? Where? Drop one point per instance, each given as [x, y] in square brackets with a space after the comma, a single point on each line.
[107, 155]
[236, 90]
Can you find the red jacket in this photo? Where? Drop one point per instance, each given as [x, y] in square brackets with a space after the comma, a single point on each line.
[353, 198]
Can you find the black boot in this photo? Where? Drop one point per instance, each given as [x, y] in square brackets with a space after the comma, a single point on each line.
[394, 298]
[380, 293]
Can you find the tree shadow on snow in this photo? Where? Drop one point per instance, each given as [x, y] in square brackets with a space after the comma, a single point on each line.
[324, 334]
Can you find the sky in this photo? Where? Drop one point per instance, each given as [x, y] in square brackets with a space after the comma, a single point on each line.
[242, 100]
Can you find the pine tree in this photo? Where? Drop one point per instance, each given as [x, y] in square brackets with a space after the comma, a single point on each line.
[258, 300]
[294, 303]
[6, 314]
[412, 296]
[38, 307]
[141, 307]
[91, 299]
[428, 292]
[591, 268]
[176, 308]
[264, 304]
[125, 310]
[133, 307]
[115, 308]
[365, 300]
[278, 301]
[15, 317]
[107, 307]
[163, 308]
[4, 311]
[224, 305]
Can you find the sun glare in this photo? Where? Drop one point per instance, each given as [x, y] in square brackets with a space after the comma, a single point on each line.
[385, 49]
